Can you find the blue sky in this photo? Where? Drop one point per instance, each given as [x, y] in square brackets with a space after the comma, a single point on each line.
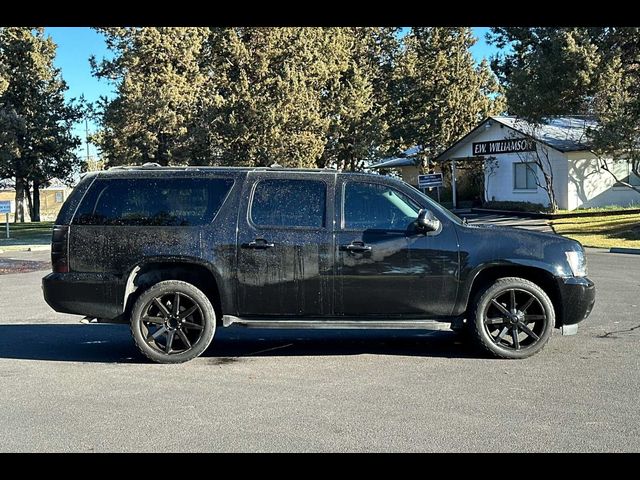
[482, 49]
[77, 44]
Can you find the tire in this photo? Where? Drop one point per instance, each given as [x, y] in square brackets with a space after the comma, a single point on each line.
[512, 318]
[170, 336]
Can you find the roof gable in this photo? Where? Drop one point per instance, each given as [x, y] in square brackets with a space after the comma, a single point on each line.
[565, 134]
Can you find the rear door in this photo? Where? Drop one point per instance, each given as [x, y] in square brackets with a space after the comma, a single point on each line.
[285, 245]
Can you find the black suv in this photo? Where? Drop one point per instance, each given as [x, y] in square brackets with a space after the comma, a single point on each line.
[178, 252]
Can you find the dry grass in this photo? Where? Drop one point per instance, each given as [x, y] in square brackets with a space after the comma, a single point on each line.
[604, 231]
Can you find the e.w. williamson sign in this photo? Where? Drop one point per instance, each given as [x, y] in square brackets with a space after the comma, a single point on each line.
[503, 146]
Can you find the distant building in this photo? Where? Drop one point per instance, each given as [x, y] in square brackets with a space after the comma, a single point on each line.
[406, 163]
[51, 198]
[578, 180]
[508, 147]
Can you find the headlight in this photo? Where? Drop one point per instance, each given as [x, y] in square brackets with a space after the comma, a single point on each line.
[577, 262]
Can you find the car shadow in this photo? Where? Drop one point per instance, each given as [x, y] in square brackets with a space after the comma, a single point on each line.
[106, 343]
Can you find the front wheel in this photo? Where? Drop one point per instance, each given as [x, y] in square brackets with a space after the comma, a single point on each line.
[513, 318]
[173, 322]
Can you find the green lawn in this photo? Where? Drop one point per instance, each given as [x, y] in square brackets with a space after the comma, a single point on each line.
[602, 231]
[23, 234]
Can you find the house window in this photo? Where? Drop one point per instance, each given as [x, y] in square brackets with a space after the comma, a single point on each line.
[59, 197]
[625, 173]
[525, 176]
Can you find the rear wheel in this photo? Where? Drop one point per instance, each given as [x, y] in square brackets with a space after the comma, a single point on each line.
[173, 322]
[513, 318]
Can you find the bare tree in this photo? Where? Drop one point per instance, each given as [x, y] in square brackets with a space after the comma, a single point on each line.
[491, 166]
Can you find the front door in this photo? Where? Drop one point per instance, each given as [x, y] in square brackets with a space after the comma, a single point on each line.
[285, 245]
[384, 265]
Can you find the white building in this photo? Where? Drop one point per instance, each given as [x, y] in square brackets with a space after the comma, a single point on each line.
[514, 163]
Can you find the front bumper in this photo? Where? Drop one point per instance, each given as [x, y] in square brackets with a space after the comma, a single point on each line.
[577, 296]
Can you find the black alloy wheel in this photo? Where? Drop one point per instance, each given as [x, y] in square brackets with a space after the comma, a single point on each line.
[514, 318]
[172, 322]
[173, 318]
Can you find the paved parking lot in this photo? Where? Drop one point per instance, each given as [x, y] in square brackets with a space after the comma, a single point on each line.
[66, 386]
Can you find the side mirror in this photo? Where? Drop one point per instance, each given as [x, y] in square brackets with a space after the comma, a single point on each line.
[426, 221]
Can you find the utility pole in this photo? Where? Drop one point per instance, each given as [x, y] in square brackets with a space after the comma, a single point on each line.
[86, 136]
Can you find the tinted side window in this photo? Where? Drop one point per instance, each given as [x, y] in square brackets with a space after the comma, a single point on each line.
[153, 201]
[377, 207]
[289, 203]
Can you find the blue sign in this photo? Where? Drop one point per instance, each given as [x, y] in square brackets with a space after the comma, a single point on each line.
[7, 206]
[430, 180]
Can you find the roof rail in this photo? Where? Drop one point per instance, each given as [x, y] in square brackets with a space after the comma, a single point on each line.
[133, 167]
[273, 166]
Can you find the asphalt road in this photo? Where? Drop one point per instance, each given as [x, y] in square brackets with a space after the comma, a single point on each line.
[65, 386]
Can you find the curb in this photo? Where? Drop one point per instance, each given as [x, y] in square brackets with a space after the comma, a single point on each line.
[596, 249]
[24, 248]
[633, 251]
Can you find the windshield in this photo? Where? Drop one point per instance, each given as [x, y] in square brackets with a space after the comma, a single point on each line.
[436, 206]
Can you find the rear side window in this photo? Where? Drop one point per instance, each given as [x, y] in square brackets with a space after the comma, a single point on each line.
[153, 201]
[68, 207]
[289, 203]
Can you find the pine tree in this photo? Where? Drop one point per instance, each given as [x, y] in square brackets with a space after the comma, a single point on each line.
[4, 81]
[439, 92]
[158, 84]
[36, 142]
[548, 71]
[269, 86]
[358, 99]
[591, 71]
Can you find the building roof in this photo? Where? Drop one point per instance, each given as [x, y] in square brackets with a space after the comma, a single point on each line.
[395, 163]
[565, 134]
[406, 159]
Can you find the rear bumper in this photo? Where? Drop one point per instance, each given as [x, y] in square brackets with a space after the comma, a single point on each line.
[578, 295]
[90, 294]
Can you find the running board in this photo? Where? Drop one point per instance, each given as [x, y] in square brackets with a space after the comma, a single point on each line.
[228, 320]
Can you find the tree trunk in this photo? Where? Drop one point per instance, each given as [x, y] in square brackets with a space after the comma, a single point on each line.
[162, 152]
[27, 192]
[19, 215]
[35, 215]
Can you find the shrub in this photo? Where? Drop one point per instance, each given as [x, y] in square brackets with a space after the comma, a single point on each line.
[516, 206]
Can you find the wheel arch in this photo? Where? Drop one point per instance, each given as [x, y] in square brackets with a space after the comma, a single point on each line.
[151, 271]
[540, 275]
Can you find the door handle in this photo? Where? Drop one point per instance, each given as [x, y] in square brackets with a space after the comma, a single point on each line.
[258, 244]
[356, 247]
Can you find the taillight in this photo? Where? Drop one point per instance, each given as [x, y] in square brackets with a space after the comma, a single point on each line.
[60, 249]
